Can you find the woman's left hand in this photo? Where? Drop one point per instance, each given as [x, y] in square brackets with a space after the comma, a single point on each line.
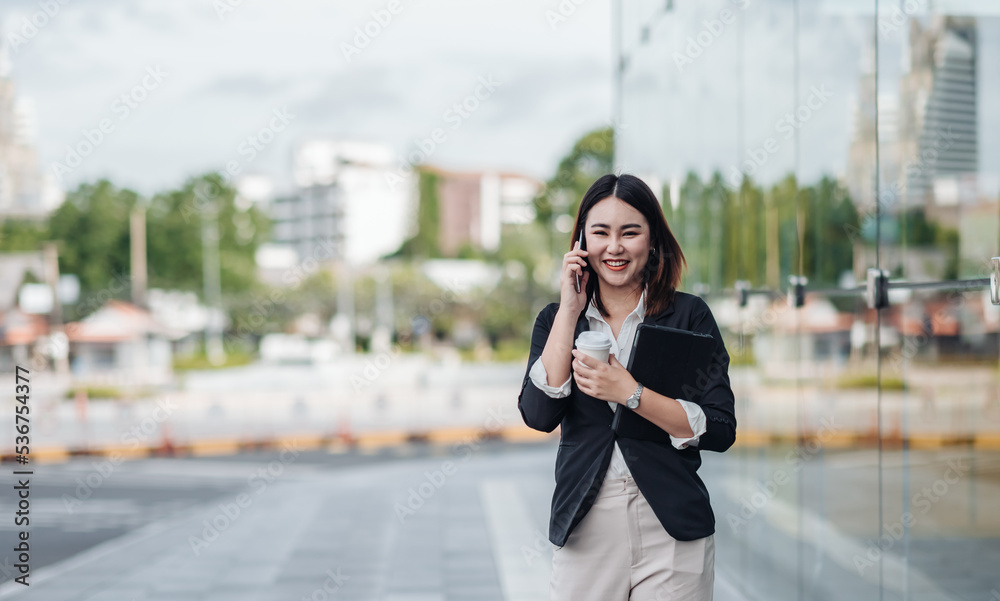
[606, 381]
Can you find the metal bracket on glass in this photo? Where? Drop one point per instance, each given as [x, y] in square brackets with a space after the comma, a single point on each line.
[797, 290]
[995, 280]
[877, 291]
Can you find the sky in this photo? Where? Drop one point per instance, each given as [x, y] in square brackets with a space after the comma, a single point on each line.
[201, 77]
[225, 66]
[694, 104]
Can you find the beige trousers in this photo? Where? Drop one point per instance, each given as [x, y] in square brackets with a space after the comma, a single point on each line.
[621, 552]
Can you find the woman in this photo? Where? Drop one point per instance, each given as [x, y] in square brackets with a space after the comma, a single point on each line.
[630, 518]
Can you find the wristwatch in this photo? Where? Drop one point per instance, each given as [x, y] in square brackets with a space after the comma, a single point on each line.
[633, 401]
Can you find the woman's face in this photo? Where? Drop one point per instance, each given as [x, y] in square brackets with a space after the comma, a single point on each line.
[616, 232]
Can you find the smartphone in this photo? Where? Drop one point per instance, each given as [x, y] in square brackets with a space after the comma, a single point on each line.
[578, 275]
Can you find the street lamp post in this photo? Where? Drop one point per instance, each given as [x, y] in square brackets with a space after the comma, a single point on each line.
[212, 280]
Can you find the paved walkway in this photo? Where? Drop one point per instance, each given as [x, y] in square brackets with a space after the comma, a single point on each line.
[470, 525]
[459, 527]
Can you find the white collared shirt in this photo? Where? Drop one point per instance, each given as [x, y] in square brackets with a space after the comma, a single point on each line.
[621, 348]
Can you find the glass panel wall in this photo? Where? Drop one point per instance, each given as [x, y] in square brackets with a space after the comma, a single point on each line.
[797, 146]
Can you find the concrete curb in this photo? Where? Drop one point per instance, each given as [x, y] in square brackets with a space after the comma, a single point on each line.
[334, 443]
[370, 442]
[841, 440]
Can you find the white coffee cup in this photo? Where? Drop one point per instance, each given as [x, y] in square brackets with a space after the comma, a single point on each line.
[594, 344]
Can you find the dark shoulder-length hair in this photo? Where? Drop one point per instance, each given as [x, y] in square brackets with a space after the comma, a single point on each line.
[662, 274]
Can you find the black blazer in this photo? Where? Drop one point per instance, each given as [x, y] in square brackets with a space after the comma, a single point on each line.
[666, 476]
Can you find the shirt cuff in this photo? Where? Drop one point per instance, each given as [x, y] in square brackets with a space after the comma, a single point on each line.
[696, 419]
[540, 379]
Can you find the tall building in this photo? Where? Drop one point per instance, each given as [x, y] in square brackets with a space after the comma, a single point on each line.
[938, 144]
[860, 175]
[311, 222]
[351, 202]
[475, 205]
[23, 190]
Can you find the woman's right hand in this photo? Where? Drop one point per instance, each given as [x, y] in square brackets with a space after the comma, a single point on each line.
[573, 264]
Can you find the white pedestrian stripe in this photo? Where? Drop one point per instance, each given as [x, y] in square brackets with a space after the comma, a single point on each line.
[522, 553]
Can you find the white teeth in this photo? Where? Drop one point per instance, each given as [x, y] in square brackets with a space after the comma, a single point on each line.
[616, 263]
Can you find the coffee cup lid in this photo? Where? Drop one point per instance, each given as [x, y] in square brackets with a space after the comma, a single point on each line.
[591, 339]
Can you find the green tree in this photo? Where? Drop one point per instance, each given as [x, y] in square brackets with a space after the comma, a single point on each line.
[424, 243]
[92, 227]
[751, 210]
[827, 252]
[686, 218]
[174, 238]
[590, 157]
[18, 235]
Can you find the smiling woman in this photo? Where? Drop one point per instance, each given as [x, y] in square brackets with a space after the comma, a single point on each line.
[630, 238]
[625, 510]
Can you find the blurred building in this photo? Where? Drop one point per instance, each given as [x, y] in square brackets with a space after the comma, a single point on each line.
[311, 222]
[24, 191]
[186, 318]
[928, 133]
[254, 189]
[21, 334]
[860, 176]
[121, 344]
[939, 143]
[475, 205]
[351, 202]
[14, 269]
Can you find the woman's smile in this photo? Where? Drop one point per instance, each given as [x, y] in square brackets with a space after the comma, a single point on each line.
[617, 264]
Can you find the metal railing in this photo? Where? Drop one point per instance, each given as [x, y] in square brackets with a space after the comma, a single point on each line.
[875, 290]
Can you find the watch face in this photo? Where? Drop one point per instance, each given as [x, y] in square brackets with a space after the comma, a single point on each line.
[632, 403]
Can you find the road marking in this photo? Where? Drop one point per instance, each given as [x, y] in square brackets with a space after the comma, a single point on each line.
[523, 564]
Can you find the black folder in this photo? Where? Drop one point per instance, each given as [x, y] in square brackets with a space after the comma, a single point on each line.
[672, 362]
